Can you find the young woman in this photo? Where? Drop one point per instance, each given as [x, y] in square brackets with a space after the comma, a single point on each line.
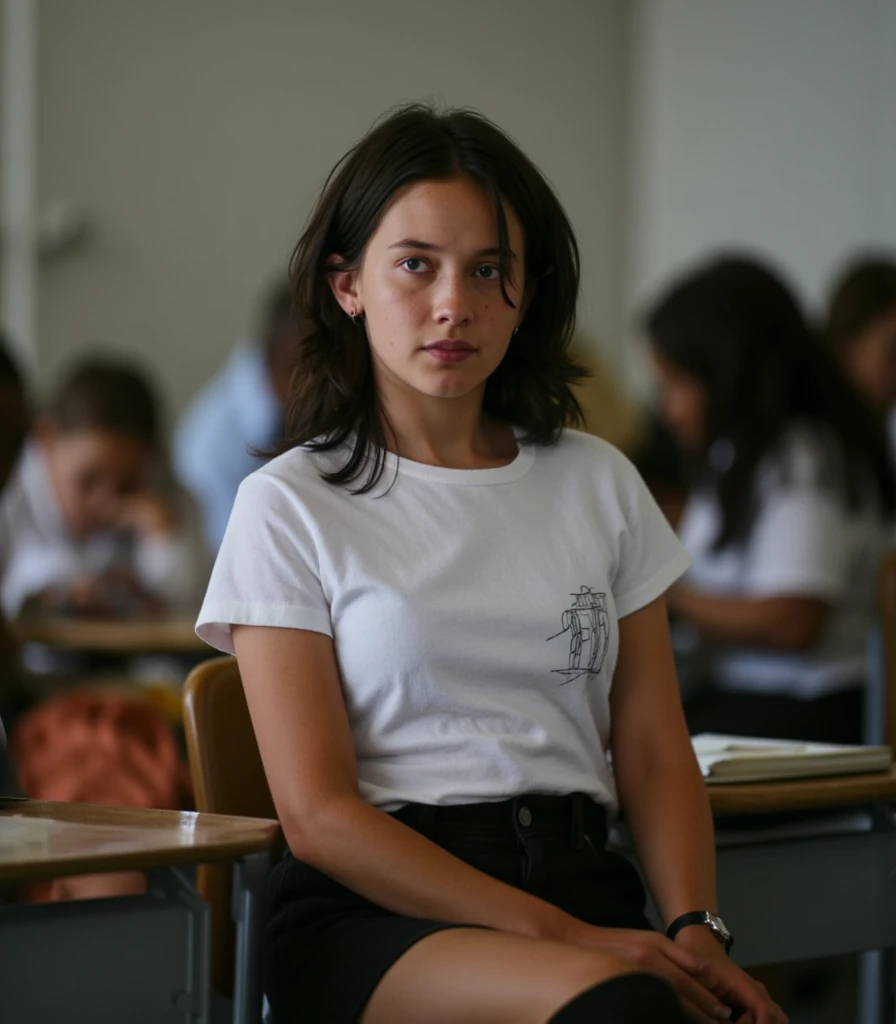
[447, 611]
[787, 519]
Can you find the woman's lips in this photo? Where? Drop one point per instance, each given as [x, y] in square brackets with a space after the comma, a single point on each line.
[450, 351]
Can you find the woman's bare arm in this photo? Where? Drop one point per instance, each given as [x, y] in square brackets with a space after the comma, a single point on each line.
[660, 786]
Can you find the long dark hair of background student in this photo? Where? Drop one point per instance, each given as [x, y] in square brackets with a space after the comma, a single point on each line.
[860, 328]
[737, 329]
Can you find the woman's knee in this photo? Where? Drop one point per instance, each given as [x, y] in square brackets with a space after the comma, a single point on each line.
[630, 998]
[581, 970]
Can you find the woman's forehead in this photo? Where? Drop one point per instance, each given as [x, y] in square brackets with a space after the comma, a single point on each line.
[446, 214]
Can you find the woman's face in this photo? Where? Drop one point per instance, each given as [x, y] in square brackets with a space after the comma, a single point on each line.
[682, 400]
[430, 291]
[870, 360]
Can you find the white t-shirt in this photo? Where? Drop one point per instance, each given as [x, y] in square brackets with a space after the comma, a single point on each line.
[804, 542]
[474, 612]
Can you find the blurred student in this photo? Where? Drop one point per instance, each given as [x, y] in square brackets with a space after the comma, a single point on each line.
[13, 427]
[861, 331]
[787, 518]
[81, 529]
[238, 413]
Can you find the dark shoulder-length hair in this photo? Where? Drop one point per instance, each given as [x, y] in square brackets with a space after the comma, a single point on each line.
[736, 327]
[864, 292]
[334, 400]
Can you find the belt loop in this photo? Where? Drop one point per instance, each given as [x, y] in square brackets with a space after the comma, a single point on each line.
[577, 830]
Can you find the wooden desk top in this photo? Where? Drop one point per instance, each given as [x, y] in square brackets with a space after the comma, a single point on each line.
[802, 794]
[117, 636]
[89, 838]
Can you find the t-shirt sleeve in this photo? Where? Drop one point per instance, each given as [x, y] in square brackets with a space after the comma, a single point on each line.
[651, 558]
[267, 570]
[798, 545]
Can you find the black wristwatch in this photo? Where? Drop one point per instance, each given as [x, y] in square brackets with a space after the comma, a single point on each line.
[712, 921]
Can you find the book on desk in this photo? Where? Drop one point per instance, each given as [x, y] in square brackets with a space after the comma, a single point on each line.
[732, 759]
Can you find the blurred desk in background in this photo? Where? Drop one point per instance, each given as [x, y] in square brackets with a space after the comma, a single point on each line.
[802, 794]
[807, 869]
[111, 636]
[137, 958]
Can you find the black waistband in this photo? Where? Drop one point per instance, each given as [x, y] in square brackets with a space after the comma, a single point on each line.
[531, 814]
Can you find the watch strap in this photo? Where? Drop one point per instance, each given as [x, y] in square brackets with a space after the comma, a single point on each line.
[703, 917]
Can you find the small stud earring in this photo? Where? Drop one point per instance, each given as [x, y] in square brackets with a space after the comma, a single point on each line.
[515, 330]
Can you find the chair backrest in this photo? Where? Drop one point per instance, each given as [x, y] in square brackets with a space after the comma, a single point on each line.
[228, 778]
[886, 604]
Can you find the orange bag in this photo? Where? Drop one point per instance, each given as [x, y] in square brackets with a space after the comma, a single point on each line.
[90, 747]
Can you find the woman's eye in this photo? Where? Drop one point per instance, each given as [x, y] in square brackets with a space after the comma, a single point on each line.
[488, 273]
[414, 264]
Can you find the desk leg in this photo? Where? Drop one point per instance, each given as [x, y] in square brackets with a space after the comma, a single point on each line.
[874, 986]
[887, 986]
[249, 884]
[171, 883]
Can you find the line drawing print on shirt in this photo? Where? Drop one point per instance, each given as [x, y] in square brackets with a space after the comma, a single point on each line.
[588, 625]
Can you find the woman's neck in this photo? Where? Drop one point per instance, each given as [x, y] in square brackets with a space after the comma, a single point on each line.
[452, 433]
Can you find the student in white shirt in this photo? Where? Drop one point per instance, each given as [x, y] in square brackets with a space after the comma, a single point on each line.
[860, 329]
[787, 519]
[447, 611]
[81, 529]
[238, 415]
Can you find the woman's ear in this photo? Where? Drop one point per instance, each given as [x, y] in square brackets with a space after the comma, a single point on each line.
[344, 285]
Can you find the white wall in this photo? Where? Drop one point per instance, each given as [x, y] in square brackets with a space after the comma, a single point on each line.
[197, 132]
[768, 124]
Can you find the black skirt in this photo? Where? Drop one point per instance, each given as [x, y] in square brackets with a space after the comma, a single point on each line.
[326, 948]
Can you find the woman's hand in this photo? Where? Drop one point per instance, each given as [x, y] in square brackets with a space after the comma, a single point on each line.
[732, 985]
[690, 975]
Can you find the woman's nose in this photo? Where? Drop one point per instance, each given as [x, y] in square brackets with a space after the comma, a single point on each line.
[452, 301]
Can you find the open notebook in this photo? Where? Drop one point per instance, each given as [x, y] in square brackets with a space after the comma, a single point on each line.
[740, 759]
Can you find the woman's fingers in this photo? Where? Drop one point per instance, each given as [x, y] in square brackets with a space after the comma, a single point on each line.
[688, 989]
[696, 1014]
[739, 989]
[684, 958]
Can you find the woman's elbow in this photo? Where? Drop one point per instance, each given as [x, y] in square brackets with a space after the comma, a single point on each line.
[312, 832]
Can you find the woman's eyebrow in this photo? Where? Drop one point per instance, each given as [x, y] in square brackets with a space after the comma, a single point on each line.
[416, 243]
